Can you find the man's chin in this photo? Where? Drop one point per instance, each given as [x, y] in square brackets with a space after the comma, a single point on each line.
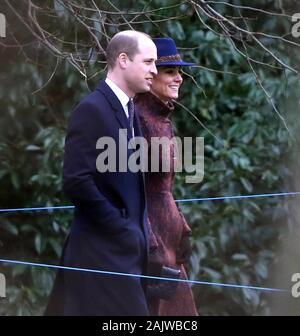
[145, 89]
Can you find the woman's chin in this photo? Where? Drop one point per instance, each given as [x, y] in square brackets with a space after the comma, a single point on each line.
[174, 96]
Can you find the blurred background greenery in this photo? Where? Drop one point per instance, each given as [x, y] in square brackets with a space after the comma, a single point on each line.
[248, 148]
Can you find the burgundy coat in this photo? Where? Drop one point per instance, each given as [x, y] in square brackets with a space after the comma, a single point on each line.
[167, 222]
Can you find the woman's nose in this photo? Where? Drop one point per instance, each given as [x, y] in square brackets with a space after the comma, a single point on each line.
[178, 77]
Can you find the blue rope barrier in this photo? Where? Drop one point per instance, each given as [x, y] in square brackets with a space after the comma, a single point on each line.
[144, 276]
[64, 207]
[239, 197]
[141, 276]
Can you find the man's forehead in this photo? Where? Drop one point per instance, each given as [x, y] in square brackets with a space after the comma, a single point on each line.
[147, 47]
[144, 41]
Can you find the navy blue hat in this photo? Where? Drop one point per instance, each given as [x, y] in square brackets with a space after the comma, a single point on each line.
[167, 54]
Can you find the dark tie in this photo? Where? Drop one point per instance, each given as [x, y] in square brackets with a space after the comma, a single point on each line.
[130, 105]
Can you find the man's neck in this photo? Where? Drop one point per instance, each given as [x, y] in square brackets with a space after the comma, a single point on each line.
[120, 84]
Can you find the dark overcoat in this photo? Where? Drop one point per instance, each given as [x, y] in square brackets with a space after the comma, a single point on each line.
[109, 232]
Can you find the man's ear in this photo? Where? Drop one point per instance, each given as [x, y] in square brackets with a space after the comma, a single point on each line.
[123, 60]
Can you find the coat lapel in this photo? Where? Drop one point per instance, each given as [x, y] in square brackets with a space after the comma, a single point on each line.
[116, 106]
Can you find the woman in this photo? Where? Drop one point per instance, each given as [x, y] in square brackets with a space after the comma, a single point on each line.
[170, 232]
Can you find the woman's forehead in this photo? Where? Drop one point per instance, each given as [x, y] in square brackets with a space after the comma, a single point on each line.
[176, 67]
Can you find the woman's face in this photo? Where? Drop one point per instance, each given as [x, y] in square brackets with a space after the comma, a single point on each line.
[166, 83]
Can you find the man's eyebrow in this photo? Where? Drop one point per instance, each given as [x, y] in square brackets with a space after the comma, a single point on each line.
[150, 59]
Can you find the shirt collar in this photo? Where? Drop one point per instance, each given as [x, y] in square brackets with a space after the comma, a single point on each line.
[121, 95]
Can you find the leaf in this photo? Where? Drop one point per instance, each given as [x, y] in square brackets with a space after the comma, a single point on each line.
[261, 270]
[210, 36]
[56, 246]
[239, 257]
[13, 229]
[3, 172]
[246, 184]
[218, 56]
[26, 228]
[15, 180]
[55, 226]
[214, 275]
[32, 148]
[38, 243]
[19, 270]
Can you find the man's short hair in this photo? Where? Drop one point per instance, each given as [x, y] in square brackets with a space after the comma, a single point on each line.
[122, 43]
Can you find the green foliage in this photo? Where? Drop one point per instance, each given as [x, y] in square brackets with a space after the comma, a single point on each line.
[234, 240]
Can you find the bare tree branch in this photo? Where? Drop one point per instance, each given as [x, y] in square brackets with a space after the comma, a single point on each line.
[270, 99]
[221, 142]
[248, 8]
[96, 22]
[49, 80]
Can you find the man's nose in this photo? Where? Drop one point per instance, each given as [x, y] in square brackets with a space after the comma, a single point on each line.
[154, 69]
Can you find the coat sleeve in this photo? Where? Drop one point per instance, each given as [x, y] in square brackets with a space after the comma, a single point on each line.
[186, 230]
[79, 169]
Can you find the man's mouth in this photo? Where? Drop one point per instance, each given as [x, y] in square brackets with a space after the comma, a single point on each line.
[149, 80]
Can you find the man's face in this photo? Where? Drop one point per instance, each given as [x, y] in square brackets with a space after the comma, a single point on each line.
[141, 69]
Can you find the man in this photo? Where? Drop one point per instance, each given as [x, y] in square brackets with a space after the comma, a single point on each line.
[110, 230]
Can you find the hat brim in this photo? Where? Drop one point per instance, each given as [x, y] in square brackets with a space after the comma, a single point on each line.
[174, 63]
